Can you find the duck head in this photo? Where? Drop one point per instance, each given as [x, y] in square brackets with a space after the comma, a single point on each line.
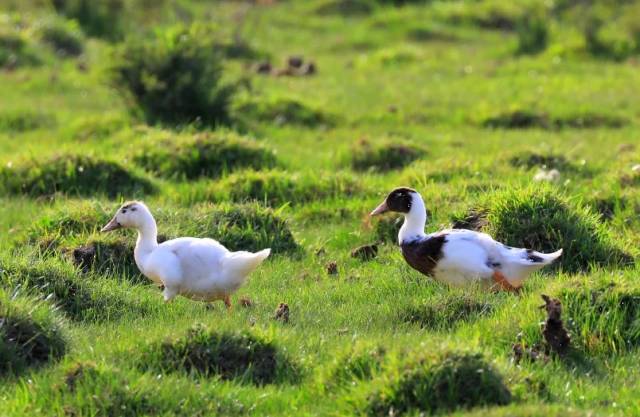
[132, 214]
[409, 203]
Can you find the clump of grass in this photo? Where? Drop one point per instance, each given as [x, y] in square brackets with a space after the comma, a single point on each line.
[490, 14]
[360, 364]
[276, 188]
[383, 156]
[533, 34]
[451, 382]
[174, 78]
[82, 217]
[602, 42]
[16, 51]
[25, 120]
[283, 111]
[240, 227]
[96, 127]
[80, 298]
[107, 256]
[345, 7]
[203, 352]
[31, 334]
[541, 219]
[531, 160]
[73, 175]
[98, 18]
[446, 311]
[63, 36]
[206, 155]
[603, 317]
[526, 119]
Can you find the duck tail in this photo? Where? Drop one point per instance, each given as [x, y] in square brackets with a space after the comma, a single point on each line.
[240, 264]
[543, 258]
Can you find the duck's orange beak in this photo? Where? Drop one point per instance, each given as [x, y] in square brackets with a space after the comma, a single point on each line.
[112, 225]
[382, 208]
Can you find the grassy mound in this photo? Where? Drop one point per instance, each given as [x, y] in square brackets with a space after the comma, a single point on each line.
[446, 311]
[64, 37]
[26, 120]
[358, 365]
[248, 227]
[204, 352]
[540, 219]
[278, 187]
[80, 298]
[102, 18]
[206, 155]
[525, 119]
[383, 156]
[107, 256]
[16, 51]
[30, 333]
[602, 318]
[455, 381]
[74, 175]
[283, 111]
[174, 78]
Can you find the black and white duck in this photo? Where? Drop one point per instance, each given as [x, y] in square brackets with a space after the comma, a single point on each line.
[456, 256]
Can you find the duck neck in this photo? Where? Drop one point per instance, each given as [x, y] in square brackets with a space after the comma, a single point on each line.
[414, 221]
[147, 241]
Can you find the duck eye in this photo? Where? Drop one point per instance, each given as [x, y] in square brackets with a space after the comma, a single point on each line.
[124, 211]
[133, 209]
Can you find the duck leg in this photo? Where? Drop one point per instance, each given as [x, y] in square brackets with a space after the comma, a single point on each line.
[227, 302]
[502, 282]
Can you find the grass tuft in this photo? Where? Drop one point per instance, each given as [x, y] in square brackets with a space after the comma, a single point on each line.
[64, 37]
[206, 155]
[361, 364]
[526, 119]
[383, 156]
[454, 381]
[283, 111]
[31, 334]
[72, 175]
[540, 219]
[25, 120]
[203, 352]
[276, 188]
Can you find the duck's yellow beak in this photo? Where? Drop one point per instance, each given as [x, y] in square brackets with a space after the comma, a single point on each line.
[382, 208]
[112, 225]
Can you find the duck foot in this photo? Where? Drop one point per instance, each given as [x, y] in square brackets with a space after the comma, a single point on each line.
[503, 284]
[227, 302]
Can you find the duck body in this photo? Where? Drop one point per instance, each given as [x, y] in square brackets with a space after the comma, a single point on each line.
[201, 269]
[459, 257]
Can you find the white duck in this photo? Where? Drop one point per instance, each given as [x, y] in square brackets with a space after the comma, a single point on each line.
[199, 269]
[457, 256]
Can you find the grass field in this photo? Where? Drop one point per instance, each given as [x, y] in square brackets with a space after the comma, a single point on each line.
[465, 101]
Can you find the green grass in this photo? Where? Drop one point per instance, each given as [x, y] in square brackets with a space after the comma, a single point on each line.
[463, 100]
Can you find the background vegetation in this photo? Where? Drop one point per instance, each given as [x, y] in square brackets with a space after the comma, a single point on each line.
[282, 124]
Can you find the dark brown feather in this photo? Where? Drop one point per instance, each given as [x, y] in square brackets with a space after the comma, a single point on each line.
[424, 254]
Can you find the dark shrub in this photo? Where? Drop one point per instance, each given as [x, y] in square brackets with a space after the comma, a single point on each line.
[64, 37]
[74, 175]
[455, 381]
[207, 155]
[30, 333]
[174, 78]
[540, 219]
[383, 156]
[98, 18]
[227, 355]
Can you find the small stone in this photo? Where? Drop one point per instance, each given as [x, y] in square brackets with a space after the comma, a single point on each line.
[295, 61]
